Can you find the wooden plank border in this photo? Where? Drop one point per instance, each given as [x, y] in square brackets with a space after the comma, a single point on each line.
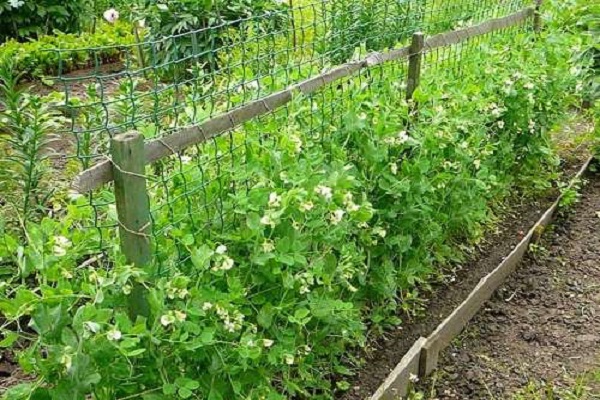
[396, 384]
[427, 350]
[157, 149]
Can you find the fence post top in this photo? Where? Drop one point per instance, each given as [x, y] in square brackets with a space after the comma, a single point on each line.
[127, 136]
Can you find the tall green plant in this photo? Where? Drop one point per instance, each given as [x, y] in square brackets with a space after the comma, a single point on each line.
[26, 127]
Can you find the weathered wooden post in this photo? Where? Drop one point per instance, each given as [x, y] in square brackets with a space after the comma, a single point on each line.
[537, 17]
[133, 209]
[414, 63]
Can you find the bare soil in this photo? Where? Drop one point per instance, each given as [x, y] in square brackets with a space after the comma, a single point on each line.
[543, 325]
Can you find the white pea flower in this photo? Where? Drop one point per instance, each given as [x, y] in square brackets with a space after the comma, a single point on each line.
[500, 124]
[394, 168]
[221, 249]
[111, 15]
[227, 264]
[352, 207]
[413, 378]
[274, 200]
[182, 294]
[229, 326]
[67, 361]
[289, 359]
[379, 231]
[336, 216]
[403, 137]
[114, 335]
[297, 143]
[252, 85]
[92, 326]
[306, 206]
[167, 319]
[180, 316]
[267, 343]
[496, 112]
[477, 164]
[528, 86]
[15, 3]
[268, 246]
[324, 191]
[142, 23]
[267, 220]
[206, 306]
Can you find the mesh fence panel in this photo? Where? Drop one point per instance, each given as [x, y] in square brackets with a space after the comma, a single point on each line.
[160, 85]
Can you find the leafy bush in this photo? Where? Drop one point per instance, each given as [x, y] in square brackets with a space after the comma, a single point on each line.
[333, 236]
[191, 29]
[23, 19]
[40, 57]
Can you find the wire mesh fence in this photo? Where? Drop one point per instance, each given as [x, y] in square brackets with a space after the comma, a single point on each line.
[163, 84]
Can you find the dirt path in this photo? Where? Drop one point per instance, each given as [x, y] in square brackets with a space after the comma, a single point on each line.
[543, 326]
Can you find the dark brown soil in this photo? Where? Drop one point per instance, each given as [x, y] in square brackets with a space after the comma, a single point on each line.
[542, 325]
[389, 351]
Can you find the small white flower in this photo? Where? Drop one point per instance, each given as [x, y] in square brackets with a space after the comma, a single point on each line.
[477, 164]
[496, 112]
[352, 207]
[221, 249]
[62, 241]
[394, 168]
[268, 246]
[289, 359]
[297, 143]
[15, 3]
[306, 206]
[528, 86]
[324, 191]
[508, 82]
[379, 231]
[227, 264]
[142, 23]
[336, 216]
[180, 316]
[348, 198]
[111, 15]
[267, 220]
[67, 361]
[413, 378]
[167, 319]
[127, 289]
[92, 326]
[182, 294]
[274, 200]
[500, 124]
[304, 289]
[362, 116]
[229, 326]
[403, 137]
[186, 159]
[252, 85]
[206, 306]
[113, 335]
[59, 251]
[267, 343]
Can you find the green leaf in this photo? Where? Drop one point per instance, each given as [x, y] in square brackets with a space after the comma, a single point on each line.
[184, 393]
[169, 388]
[9, 339]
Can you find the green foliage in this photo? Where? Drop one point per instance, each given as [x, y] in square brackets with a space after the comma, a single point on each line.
[23, 19]
[41, 57]
[332, 233]
[194, 30]
[377, 25]
[26, 130]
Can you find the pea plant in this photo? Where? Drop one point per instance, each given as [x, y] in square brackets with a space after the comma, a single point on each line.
[342, 214]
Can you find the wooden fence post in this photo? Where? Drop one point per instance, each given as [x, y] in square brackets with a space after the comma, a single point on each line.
[537, 17]
[414, 63]
[133, 209]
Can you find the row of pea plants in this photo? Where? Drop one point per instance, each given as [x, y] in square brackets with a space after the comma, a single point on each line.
[339, 233]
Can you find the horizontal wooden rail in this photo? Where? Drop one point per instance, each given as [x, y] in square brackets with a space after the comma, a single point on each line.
[157, 149]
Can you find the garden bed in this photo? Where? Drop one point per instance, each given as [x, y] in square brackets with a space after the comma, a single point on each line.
[519, 216]
[540, 331]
